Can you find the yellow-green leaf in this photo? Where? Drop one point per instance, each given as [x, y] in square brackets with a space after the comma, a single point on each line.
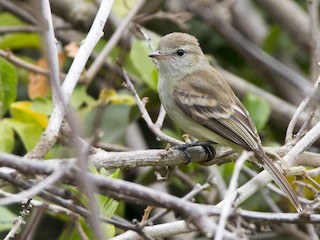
[8, 85]
[23, 112]
[6, 137]
[16, 41]
[28, 132]
[122, 7]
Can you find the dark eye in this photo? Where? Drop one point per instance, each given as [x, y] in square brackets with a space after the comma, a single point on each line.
[181, 52]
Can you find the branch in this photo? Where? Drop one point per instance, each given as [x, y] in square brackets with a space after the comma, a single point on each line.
[229, 198]
[98, 62]
[48, 138]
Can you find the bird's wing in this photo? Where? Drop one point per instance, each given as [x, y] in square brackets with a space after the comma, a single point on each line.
[212, 103]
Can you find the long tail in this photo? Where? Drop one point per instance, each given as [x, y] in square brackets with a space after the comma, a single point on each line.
[279, 178]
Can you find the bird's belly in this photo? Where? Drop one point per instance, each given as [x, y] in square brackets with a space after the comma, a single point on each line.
[191, 127]
[187, 124]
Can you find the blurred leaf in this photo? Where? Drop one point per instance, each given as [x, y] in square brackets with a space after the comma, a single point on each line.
[259, 110]
[28, 132]
[7, 219]
[227, 170]
[42, 105]
[23, 112]
[8, 85]
[39, 84]
[110, 95]
[15, 41]
[269, 44]
[115, 120]
[80, 98]
[8, 19]
[122, 7]
[6, 138]
[106, 95]
[143, 64]
[108, 205]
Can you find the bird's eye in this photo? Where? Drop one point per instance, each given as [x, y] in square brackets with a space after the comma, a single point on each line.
[181, 52]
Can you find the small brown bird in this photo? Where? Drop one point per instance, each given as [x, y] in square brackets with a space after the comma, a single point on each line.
[198, 98]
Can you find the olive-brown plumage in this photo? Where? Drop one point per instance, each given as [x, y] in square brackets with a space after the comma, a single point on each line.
[198, 98]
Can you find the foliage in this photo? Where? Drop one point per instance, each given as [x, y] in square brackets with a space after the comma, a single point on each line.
[106, 112]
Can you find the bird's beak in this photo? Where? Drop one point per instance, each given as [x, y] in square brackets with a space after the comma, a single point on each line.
[157, 55]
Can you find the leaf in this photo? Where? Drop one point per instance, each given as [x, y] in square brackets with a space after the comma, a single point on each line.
[8, 85]
[6, 138]
[23, 112]
[39, 85]
[270, 43]
[29, 133]
[15, 41]
[114, 115]
[122, 7]
[8, 19]
[42, 105]
[143, 64]
[259, 110]
[107, 205]
[7, 219]
[110, 95]
[81, 98]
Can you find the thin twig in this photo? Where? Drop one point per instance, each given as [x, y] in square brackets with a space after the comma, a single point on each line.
[20, 220]
[70, 207]
[146, 37]
[195, 191]
[23, 64]
[98, 62]
[161, 117]
[49, 137]
[301, 108]
[229, 198]
[314, 38]
[51, 179]
[15, 29]
[145, 115]
[51, 51]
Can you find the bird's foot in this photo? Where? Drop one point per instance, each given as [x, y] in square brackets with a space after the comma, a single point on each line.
[207, 146]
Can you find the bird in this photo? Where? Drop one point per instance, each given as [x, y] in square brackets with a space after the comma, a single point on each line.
[199, 99]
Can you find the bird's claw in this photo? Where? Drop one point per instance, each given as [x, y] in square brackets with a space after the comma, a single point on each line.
[207, 146]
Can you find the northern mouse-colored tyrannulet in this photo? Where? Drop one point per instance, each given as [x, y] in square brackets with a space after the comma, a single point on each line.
[198, 98]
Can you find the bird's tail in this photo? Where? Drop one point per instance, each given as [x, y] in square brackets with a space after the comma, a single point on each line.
[279, 178]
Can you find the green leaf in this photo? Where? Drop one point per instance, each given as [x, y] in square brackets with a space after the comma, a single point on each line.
[17, 41]
[115, 119]
[8, 85]
[42, 105]
[6, 137]
[7, 219]
[29, 133]
[259, 110]
[270, 42]
[143, 64]
[108, 205]
[23, 112]
[122, 7]
[80, 98]
[8, 19]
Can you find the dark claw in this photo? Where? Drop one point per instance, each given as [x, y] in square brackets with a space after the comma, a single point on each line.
[207, 146]
[183, 148]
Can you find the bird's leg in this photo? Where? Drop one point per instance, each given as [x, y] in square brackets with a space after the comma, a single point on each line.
[206, 145]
